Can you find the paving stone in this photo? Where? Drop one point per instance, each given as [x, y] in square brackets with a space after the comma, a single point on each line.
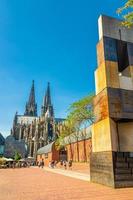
[38, 184]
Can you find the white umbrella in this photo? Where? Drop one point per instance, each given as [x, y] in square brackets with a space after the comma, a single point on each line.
[22, 159]
[9, 159]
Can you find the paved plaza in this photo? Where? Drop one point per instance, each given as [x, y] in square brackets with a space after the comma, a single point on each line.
[38, 184]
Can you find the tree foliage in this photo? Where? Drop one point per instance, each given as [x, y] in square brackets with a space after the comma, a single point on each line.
[66, 131]
[80, 115]
[17, 156]
[81, 112]
[126, 11]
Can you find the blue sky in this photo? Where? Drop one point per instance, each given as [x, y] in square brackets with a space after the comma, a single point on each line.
[53, 40]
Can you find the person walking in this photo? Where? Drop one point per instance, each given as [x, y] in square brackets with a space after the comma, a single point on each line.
[55, 164]
[49, 164]
[65, 164]
[70, 164]
[42, 163]
[52, 164]
[61, 163]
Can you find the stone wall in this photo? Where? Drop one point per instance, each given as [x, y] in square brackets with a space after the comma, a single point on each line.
[101, 167]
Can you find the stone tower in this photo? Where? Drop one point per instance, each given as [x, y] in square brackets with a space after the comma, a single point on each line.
[31, 106]
[47, 112]
[112, 132]
[47, 107]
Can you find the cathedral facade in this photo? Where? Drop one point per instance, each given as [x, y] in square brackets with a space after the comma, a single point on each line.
[36, 131]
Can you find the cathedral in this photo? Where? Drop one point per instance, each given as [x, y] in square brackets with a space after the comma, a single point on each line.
[36, 131]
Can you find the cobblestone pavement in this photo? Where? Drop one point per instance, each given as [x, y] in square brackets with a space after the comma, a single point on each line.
[79, 167]
[37, 184]
[69, 173]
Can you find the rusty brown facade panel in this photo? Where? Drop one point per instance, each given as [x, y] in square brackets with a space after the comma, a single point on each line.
[120, 104]
[114, 103]
[100, 102]
[100, 52]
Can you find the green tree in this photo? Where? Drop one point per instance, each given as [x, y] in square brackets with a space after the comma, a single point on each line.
[17, 156]
[126, 11]
[66, 131]
[80, 115]
[81, 112]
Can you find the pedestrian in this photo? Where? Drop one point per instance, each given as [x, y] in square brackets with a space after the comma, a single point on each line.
[42, 163]
[65, 164]
[61, 163]
[70, 164]
[39, 164]
[52, 164]
[49, 164]
[55, 163]
[14, 164]
[28, 164]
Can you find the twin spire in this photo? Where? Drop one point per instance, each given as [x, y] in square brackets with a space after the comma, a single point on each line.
[31, 106]
[47, 107]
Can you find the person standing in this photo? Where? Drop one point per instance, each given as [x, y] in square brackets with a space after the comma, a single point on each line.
[61, 163]
[42, 163]
[65, 164]
[70, 164]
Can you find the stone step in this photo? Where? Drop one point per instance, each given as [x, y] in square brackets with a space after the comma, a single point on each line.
[123, 184]
[122, 171]
[123, 177]
[121, 165]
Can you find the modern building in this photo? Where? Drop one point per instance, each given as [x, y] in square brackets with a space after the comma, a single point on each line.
[112, 132]
[2, 143]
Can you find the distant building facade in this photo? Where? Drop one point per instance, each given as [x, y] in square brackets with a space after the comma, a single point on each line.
[13, 146]
[76, 147]
[2, 143]
[48, 153]
[36, 131]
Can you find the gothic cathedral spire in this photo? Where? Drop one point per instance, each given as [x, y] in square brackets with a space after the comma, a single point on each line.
[47, 106]
[31, 106]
